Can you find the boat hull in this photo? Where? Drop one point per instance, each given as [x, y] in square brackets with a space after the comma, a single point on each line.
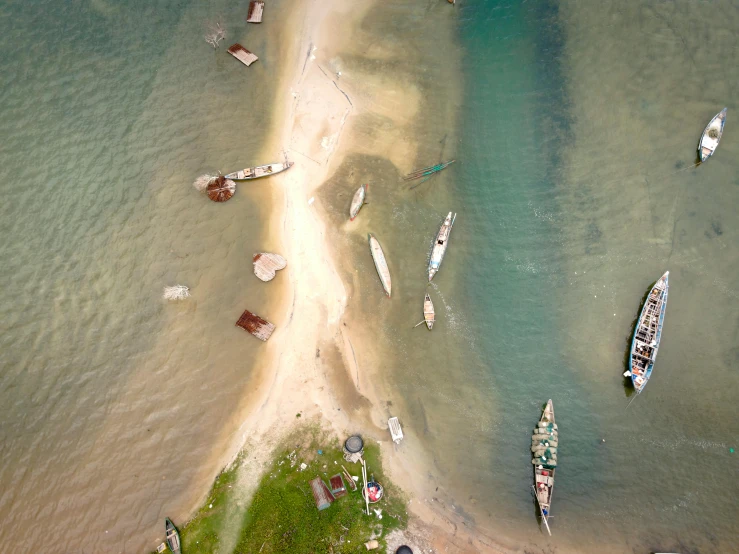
[172, 537]
[428, 312]
[648, 333]
[378, 256]
[707, 145]
[357, 202]
[544, 446]
[440, 245]
[259, 171]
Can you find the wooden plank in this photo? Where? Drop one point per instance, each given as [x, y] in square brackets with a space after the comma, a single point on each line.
[242, 54]
[256, 8]
[252, 323]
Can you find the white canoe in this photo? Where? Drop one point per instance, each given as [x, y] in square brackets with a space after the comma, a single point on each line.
[711, 136]
[259, 171]
[442, 241]
[357, 202]
[428, 311]
[380, 263]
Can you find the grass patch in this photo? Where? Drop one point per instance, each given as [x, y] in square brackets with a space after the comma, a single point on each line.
[283, 517]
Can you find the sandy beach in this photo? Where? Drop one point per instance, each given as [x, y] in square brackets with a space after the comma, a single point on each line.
[313, 367]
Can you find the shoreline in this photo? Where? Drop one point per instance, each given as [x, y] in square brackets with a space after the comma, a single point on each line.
[310, 366]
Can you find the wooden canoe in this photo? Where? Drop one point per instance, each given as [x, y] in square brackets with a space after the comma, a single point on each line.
[428, 311]
[442, 241]
[711, 136]
[259, 171]
[544, 446]
[647, 334]
[357, 202]
[380, 263]
[173, 536]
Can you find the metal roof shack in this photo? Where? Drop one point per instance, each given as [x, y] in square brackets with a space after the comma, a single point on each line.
[321, 494]
[260, 328]
[256, 8]
[337, 486]
[242, 54]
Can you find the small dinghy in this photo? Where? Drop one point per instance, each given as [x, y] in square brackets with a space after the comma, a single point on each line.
[647, 334]
[442, 241]
[711, 136]
[173, 536]
[380, 263]
[357, 202]
[428, 311]
[259, 171]
[544, 443]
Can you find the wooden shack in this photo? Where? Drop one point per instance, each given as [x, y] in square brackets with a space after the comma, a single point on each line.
[256, 8]
[337, 486]
[242, 54]
[321, 494]
[260, 328]
[266, 264]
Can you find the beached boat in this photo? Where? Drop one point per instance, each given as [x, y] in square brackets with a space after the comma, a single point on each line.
[380, 263]
[544, 444]
[357, 202]
[428, 311]
[259, 171]
[647, 334]
[173, 536]
[442, 241]
[711, 136]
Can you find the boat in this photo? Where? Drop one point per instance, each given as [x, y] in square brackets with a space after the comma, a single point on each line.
[711, 136]
[259, 171]
[357, 202]
[428, 311]
[380, 263]
[442, 240]
[544, 444]
[173, 536]
[647, 334]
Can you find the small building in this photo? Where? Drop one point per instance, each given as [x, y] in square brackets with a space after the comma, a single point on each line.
[252, 323]
[256, 8]
[321, 494]
[242, 54]
[337, 486]
[266, 264]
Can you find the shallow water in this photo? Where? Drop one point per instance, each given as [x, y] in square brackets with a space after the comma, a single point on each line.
[574, 127]
[117, 406]
[574, 193]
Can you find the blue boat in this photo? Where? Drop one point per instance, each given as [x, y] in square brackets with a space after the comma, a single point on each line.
[647, 334]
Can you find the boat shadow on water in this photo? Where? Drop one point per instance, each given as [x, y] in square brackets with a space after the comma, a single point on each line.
[628, 387]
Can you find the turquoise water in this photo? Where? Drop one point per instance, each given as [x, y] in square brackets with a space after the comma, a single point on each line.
[574, 127]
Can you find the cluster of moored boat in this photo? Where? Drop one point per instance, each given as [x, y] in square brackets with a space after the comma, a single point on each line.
[642, 355]
[378, 256]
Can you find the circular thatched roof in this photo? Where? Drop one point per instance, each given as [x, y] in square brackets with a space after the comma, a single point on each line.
[220, 189]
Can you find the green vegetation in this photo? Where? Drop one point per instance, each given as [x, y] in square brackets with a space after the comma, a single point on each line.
[283, 516]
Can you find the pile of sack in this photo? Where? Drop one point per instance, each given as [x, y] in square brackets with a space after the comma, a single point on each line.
[544, 443]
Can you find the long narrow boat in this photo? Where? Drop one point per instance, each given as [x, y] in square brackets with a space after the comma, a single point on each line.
[357, 202]
[173, 536]
[711, 136]
[428, 311]
[442, 241]
[380, 263]
[259, 171]
[544, 444]
[647, 334]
